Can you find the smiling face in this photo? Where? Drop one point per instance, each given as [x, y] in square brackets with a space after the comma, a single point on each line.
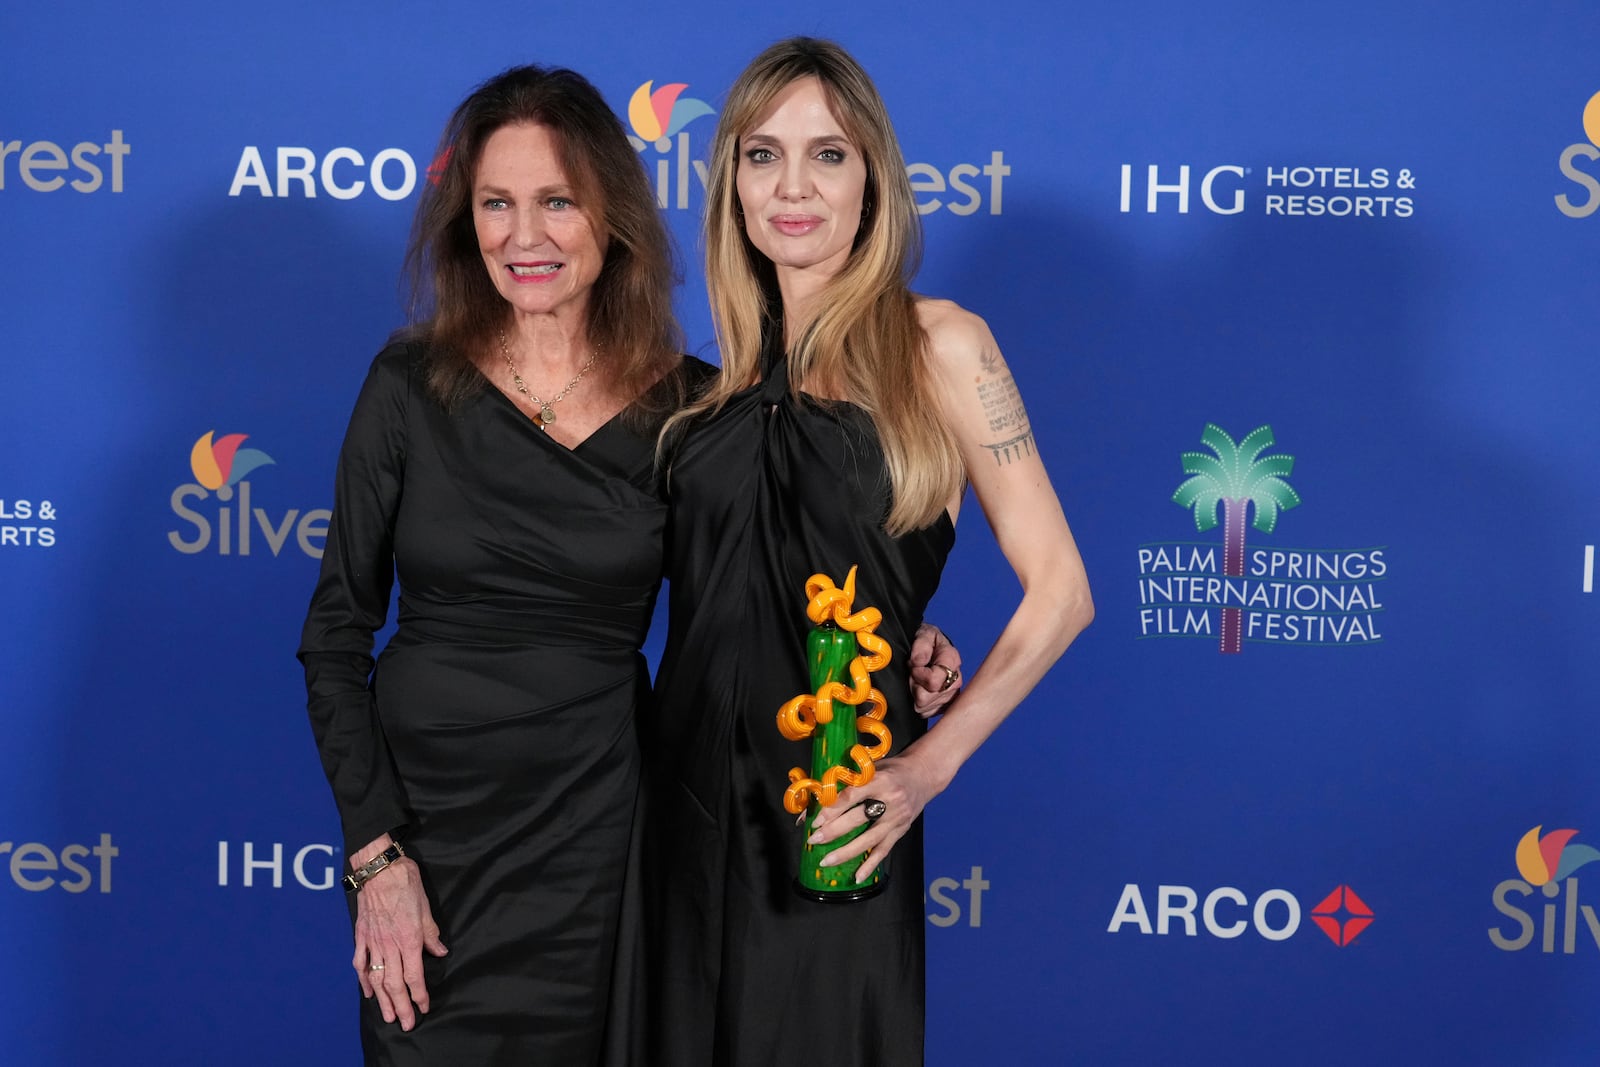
[537, 241]
[800, 182]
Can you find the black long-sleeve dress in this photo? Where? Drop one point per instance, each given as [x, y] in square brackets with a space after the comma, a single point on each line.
[496, 736]
[773, 488]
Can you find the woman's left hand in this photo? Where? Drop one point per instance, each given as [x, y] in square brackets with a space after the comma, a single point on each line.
[935, 671]
[902, 786]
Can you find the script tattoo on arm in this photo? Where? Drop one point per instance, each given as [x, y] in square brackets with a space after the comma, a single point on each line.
[1002, 406]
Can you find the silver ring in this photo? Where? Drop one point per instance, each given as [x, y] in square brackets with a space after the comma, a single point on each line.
[375, 967]
[949, 676]
[874, 809]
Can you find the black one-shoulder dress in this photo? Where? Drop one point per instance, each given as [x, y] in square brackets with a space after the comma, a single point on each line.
[773, 488]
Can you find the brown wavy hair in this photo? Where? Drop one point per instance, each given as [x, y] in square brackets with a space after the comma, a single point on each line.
[454, 303]
[864, 338]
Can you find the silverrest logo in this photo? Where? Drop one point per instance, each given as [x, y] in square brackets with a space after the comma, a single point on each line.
[35, 866]
[219, 466]
[1574, 173]
[43, 165]
[659, 117]
[1549, 864]
[939, 893]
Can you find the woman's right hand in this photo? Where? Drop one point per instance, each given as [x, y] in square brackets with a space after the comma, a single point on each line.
[393, 925]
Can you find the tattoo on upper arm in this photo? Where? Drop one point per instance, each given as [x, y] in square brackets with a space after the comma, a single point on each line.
[1018, 447]
[1002, 406]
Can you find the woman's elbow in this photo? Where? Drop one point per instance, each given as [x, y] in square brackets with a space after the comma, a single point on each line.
[1078, 611]
[1071, 609]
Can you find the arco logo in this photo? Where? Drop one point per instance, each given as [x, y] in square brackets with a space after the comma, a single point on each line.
[1548, 863]
[1585, 180]
[220, 468]
[1227, 912]
[298, 171]
[440, 162]
[1342, 916]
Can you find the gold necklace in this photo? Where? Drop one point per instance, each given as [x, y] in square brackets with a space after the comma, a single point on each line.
[547, 411]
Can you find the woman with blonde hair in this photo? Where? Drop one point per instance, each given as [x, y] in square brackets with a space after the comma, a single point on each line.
[848, 416]
[501, 464]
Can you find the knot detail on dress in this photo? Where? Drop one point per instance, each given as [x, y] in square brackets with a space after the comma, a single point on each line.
[775, 388]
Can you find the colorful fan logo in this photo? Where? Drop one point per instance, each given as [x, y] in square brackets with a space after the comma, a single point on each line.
[1550, 858]
[1591, 119]
[223, 462]
[658, 114]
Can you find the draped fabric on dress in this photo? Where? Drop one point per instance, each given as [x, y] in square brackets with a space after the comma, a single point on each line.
[497, 737]
[773, 488]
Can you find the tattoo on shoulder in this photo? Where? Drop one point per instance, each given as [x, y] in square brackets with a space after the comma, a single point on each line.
[989, 359]
[1002, 406]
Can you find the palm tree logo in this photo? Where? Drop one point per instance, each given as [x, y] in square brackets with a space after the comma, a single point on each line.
[1234, 476]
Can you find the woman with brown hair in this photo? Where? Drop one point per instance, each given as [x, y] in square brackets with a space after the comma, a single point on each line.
[848, 416]
[501, 459]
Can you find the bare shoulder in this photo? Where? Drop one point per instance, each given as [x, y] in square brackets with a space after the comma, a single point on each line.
[959, 341]
[979, 395]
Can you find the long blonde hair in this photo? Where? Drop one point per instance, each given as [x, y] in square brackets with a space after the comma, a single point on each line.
[864, 338]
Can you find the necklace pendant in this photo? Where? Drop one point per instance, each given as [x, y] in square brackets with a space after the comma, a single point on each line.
[547, 414]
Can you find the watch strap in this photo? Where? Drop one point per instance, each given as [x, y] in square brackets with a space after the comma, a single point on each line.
[364, 873]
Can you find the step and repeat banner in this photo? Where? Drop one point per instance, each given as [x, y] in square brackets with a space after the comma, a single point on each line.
[1303, 303]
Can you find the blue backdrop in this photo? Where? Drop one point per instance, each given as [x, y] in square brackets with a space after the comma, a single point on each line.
[1368, 226]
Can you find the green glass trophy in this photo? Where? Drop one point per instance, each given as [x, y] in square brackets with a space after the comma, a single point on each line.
[841, 706]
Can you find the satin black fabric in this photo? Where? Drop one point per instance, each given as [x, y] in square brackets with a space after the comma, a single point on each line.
[772, 489]
[497, 736]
